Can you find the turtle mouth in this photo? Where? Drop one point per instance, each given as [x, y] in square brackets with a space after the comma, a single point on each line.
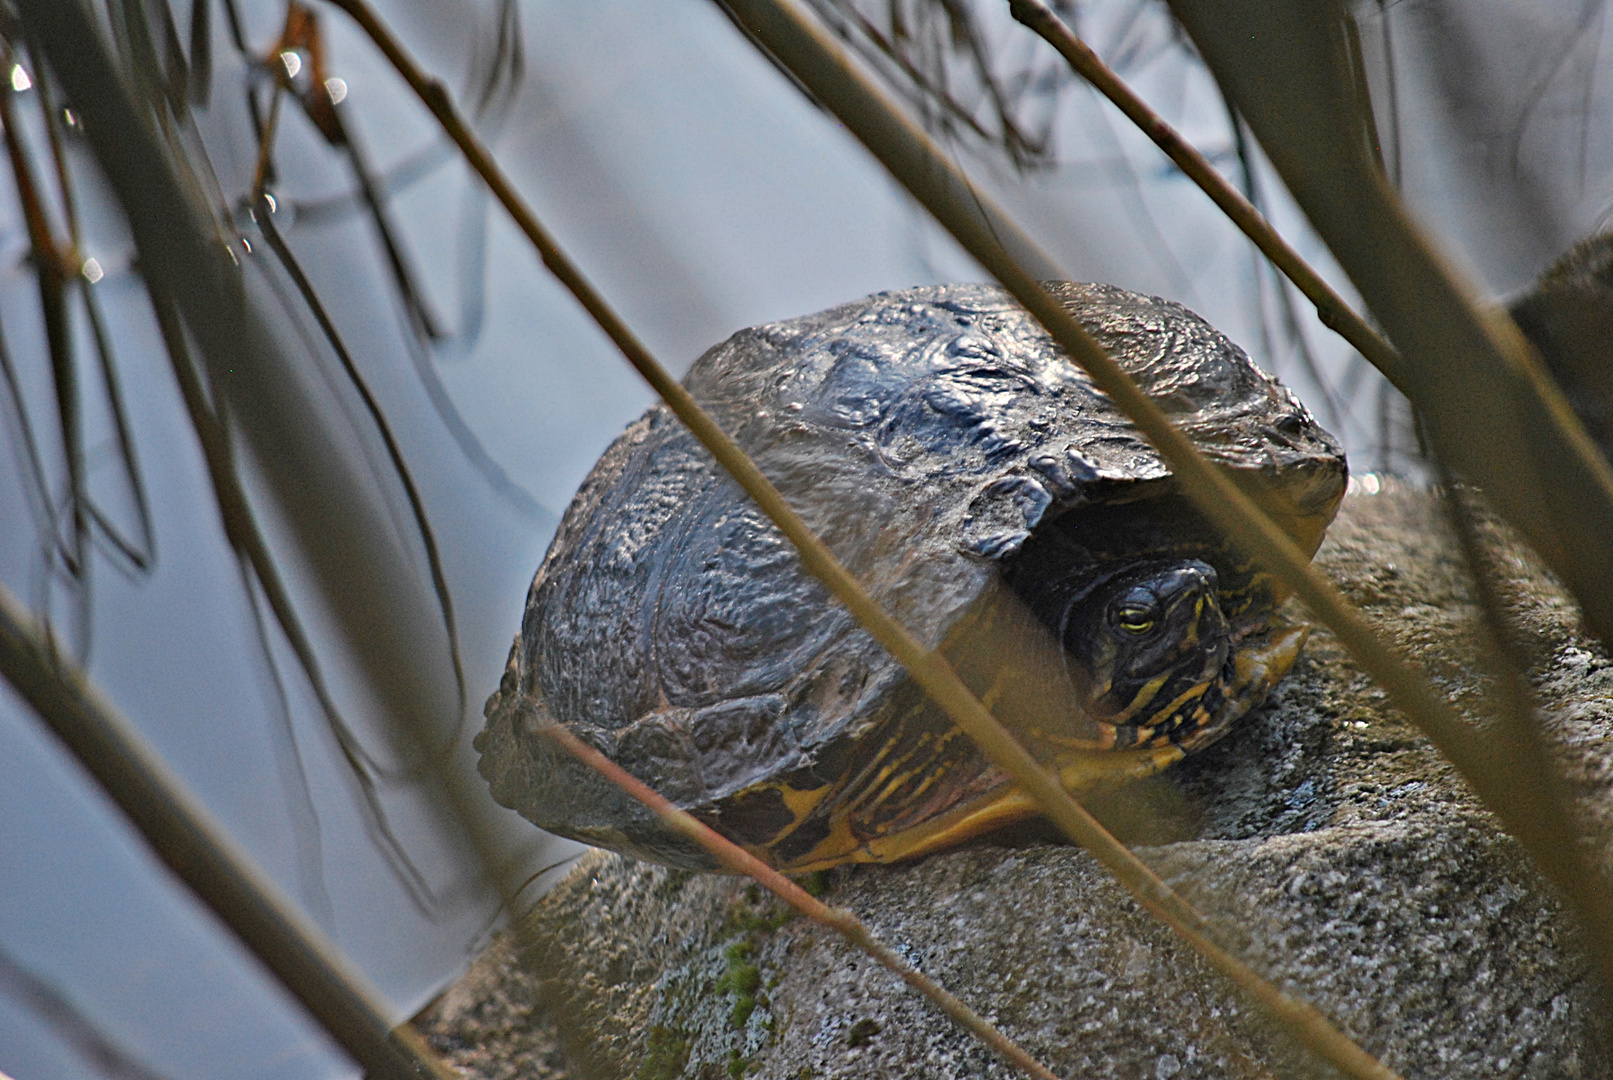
[1257, 662]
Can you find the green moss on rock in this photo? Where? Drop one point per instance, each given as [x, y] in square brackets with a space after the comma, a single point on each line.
[743, 980]
[862, 1032]
[666, 1056]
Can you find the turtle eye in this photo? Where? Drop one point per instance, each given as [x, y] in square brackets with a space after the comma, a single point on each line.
[1136, 615]
[1135, 620]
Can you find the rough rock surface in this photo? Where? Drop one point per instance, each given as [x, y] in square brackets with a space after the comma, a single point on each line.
[1327, 840]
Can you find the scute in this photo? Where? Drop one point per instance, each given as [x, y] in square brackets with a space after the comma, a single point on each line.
[925, 435]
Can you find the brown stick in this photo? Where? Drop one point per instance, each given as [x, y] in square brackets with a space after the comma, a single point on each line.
[841, 921]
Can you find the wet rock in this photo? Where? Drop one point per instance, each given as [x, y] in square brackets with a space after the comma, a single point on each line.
[1325, 838]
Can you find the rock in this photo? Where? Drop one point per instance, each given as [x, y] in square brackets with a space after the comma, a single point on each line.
[489, 1025]
[1329, 843]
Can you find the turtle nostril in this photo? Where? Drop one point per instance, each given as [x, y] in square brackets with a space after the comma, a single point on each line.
[1194, 577]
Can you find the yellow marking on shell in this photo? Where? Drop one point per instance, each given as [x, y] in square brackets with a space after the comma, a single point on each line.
[871, 770]
[838, 846]
[884, 772]
[1078, 772]
[992, 811]
[890, 787]
[895, 775]
[929, 780]
[934, 775]
[1084, 765]
[799, 803]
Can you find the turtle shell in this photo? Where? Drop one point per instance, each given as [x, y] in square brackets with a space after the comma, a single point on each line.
[926, 435]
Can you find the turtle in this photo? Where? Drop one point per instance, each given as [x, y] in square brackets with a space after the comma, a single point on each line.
[989, 496]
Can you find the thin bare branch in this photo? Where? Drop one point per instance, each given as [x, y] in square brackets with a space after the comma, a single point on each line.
[425, 323]
[302, 36]
[937, 54]
[380, 606]
[263, 171]
[59, 263]
[30, 462]
[196, 848]
[50, 275]
[58, 153]
[141, 555]
[1330, 307]
[242, 531]
[841, 921]
[294, 783]
[929, 669]
[263, 214]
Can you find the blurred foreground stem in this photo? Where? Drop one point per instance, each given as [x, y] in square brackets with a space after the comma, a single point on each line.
[200, 853]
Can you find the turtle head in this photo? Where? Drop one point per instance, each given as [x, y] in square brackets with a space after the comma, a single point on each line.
[1148, 651]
